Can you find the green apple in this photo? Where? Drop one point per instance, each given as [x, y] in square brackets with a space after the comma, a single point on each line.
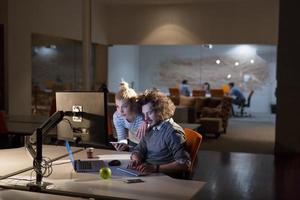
[105, 172]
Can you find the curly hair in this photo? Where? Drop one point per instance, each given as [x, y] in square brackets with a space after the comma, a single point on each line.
[161, 103]
[128, 95]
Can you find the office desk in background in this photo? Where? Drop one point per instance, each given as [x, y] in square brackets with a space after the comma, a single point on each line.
[24, 124]
[156, 186]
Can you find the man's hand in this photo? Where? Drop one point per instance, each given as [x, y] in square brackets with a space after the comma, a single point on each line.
[146, 168]
[133, 164]
[135, 161]
[141, 131]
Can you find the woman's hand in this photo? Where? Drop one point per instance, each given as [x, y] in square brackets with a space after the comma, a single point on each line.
[121, 146]
[141, 131]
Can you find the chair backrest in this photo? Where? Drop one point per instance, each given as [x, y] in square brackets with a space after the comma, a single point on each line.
[109, 125]
[3, 128]
[53, 106]
[174, 91]
[249, 99]
[193, 142]
[217, 92]
[111, 97]
[198, 93]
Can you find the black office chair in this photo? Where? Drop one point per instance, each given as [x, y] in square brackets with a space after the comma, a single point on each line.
[247, 104]
[8, 139]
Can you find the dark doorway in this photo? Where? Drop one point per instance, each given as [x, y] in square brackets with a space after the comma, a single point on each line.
[2, 67]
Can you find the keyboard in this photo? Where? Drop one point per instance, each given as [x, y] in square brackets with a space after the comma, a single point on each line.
[85, 165]
[131, 172]
[88, 165]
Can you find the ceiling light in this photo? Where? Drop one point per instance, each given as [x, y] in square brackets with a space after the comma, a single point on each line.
[251, 61]
[236, 63]
[228, 76]
[243, 50]
[209, 46]
[218, 61]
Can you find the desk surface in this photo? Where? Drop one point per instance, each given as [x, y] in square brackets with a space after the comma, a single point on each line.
[156, 186]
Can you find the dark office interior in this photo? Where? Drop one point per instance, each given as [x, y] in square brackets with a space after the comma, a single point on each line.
[88, 29]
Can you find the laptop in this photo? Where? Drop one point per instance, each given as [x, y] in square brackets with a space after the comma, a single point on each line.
[84, 165]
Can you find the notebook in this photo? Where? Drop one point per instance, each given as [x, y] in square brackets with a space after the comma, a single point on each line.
[84, 165]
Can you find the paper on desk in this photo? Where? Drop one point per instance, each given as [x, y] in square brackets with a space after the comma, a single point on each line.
[65, 161]
[114, 156]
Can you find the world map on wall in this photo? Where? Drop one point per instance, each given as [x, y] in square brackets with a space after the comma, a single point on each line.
[249, 74]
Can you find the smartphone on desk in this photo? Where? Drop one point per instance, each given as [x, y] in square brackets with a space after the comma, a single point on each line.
[137, 180]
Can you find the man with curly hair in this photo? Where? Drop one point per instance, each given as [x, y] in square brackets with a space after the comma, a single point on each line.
[162, 149]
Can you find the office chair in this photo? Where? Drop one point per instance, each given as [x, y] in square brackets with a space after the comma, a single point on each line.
[198, 93]
[217, 93]
[193, 142]
[7, 139]
[4, 139]
[247, 104]
[174, 91]
[3, 128]
[110, 129]
[52, 109]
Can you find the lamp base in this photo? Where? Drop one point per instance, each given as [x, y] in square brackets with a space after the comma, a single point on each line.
[38, 187]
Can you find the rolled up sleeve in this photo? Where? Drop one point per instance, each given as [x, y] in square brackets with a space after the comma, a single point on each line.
[176, 143]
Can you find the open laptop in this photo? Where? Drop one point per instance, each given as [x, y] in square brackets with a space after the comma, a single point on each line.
[84, 165]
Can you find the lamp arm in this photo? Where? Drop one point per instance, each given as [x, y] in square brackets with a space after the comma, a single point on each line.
[38, 153]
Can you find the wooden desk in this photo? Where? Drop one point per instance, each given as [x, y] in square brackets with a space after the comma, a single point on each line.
[156, 186]
[22, 128]
[16, 159]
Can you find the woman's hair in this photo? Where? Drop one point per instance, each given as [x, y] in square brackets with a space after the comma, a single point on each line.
[127, 95]
[208, 85]
[161, 104]
[125, 92]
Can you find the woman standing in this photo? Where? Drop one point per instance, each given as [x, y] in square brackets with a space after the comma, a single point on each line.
[128, 119]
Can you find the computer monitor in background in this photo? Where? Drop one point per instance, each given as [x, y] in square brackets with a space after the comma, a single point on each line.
[85, 119]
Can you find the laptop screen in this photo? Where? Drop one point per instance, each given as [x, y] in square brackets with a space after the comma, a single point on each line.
[70, 153]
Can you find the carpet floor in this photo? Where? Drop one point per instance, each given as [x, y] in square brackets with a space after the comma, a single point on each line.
[249, 135]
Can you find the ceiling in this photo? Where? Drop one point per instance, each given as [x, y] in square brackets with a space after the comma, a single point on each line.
[160, 2]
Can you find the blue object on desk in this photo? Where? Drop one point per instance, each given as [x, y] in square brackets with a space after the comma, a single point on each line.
[130, 172]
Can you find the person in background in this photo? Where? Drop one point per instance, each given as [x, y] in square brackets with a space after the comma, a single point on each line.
[226, 89]
[162, 149]
[185, 88]
[236, 94]
[128, 119]
[206, 88]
